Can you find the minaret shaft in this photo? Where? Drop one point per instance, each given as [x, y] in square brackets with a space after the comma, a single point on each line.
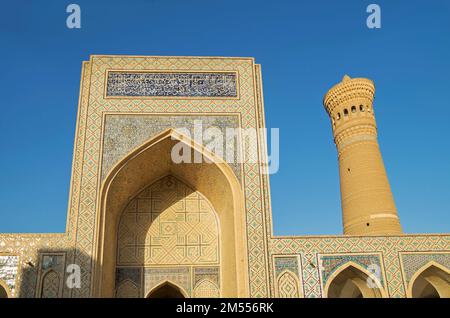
[367, 203]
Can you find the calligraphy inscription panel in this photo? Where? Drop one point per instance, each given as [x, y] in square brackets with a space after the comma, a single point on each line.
[171, 84]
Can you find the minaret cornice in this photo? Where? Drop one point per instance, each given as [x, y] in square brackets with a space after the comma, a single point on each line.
[347, 91]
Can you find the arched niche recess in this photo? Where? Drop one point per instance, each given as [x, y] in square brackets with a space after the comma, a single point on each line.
[213, 178]
[430, 281]
[353, 281]
[288, 285]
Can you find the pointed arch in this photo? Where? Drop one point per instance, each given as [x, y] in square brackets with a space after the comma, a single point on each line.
[127, 289]
[206, 289]
[351, 280]
[431, 280]
[214, 178]
[50, 284]
[5, 292]
[288, 285]
[167, 289]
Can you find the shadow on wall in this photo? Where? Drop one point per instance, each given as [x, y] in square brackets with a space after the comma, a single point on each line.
[56, 273]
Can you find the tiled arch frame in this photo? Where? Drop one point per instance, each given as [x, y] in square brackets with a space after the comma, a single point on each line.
[430, 264]
[235, 196]
[330, 265]
[358, 267]
[413, 262]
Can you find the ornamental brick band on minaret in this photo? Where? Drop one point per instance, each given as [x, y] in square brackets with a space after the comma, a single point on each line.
[367, 203]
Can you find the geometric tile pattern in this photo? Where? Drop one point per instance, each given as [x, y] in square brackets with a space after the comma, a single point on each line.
[9, 265]
[287, 286]
[168, 224]
[331, 263]
[205, 280]
[127, 289]
[412, 262]
[210, 273]
[165, 84]
[206, 289]
[124, 133]
[286, 263]
[287, 269]
[387, 247]
[132, 274]
[51, 283]
[180, 276]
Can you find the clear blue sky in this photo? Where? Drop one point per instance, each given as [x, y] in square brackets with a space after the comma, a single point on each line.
[304, 47]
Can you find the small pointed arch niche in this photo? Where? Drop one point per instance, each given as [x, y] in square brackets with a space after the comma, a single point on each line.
[288, 285]
[431, 281]
[206, 289]
[51, 285]
[353, 281]
[167, 289]
[127, 289]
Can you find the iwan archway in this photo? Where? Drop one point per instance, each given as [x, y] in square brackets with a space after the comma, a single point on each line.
[213, 179]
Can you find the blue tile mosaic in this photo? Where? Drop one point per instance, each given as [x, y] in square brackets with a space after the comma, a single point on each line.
[221, 84]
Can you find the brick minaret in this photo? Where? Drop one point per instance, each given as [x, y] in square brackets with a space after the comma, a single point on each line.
[367, 203]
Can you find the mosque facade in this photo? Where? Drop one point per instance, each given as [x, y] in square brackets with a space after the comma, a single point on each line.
[154, 212]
